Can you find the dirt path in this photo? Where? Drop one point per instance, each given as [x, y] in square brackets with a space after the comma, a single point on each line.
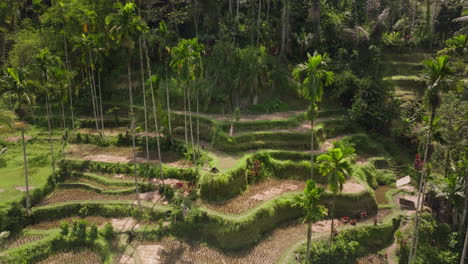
[248, 117]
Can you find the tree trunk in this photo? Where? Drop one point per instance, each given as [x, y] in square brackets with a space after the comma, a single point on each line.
[155, 113]
[144, 99]
[238, 5]
[198, 127]
[284, 28]
[191, 127]
[309, 238]
[185, 118]
[64, 128]
[96, 114]
[312, 149]
[316, 23]
[258, 20]
[92, 96]
[463, 219]
[422, 187]
[49, 125]
[465, 245]
[100, 101]
[70, 94]
[26, 172]
[132, 127]
[168, 104]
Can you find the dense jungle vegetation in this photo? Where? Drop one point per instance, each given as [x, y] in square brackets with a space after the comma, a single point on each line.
[233, 131]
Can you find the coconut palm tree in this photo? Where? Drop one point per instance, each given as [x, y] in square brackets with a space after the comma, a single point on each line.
[335, 165]
[436, 70]
[308, 201]
[125, 26]
[314, 77]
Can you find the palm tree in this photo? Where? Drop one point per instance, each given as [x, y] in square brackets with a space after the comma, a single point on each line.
[186, 60]
[436, 71]
[314, 78]
[7, 118]
[125, 26]
[15, 82]
[163, 37]
[335, 165]
[85, 44]
[308, 201]
[45, 61]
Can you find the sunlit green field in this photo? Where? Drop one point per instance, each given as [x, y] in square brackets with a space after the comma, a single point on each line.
[12, 180]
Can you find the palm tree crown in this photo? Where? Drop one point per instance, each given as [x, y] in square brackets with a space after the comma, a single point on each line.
[125, 25]
[313, 77]
[309, 202]
[336, 166]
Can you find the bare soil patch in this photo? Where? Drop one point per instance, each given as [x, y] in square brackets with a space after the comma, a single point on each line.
[247, 117]
[275, 191]
[2, 190]
[144, 254]
[23, 188]
[85, 256]
[107, 131]
[255, 194]
[353, 187]
[17, 138]
[153, 197]
[124, 224]
[120, 154]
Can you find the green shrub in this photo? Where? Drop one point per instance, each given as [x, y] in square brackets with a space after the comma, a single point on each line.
[353, 243]
[93, 233]
[108, 232]
[64, 226]
[385, 177]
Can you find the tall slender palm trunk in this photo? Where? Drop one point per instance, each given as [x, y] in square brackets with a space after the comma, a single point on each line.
[465, 245]
[258, 20]
[185, 118]
[94, 91]
[168, 106]
[70, 94]
[132, 128]
[191, 127]
[88, 76]
[198, 126]
[100, 101]
[25, 160]
[49, 125]
[312, 149]
[155, 113]
[421, 190]
[142, 68]
[309, 238]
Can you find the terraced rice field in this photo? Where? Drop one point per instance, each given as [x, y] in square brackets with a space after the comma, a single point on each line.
[76, 257]
[256, 194]
[65, 195]
[20, 240]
